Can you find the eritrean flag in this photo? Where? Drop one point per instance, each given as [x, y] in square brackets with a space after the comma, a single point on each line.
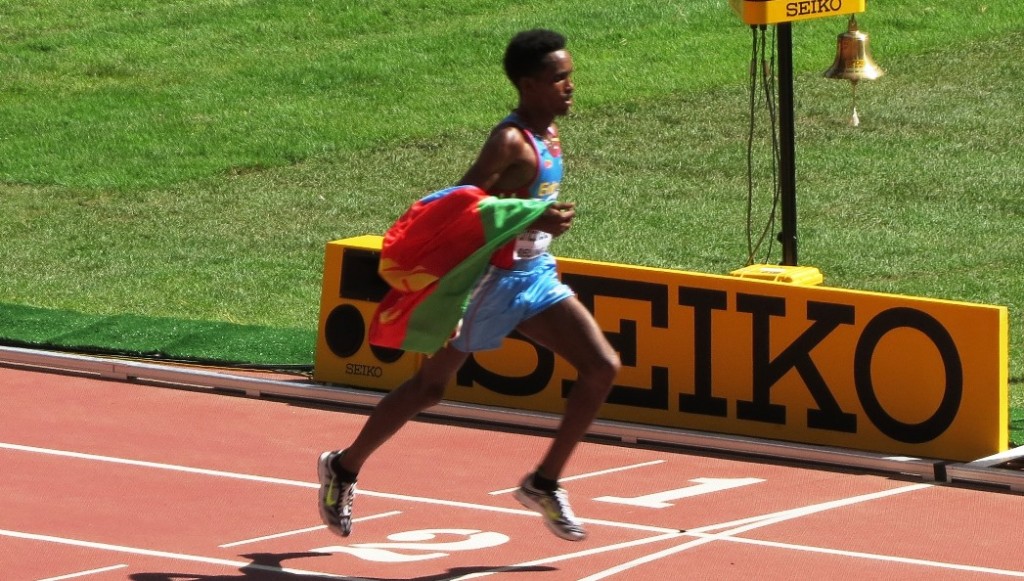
[433, 256]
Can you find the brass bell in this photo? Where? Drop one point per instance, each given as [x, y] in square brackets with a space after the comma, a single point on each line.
[853, 62]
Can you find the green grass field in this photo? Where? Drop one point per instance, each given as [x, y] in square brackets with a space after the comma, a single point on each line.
[172, 170]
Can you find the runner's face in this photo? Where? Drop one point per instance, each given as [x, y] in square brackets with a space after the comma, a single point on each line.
[553, 85]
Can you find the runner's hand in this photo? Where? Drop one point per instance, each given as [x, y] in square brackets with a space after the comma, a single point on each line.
[557, 219]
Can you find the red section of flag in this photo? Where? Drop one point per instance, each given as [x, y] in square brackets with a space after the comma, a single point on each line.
[432, 257]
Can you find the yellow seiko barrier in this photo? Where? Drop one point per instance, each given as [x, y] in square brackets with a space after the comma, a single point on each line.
[734, 354]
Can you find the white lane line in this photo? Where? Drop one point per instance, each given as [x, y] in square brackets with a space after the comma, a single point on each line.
[299, 483]
[85, 573]
[735, 527]
[589, 475]
[749, 524]
[305, 530]
[144, 464]
[517, 511]
[247, 565]
[743, 525]
[270, 537]
[874, 557]
[577, 555]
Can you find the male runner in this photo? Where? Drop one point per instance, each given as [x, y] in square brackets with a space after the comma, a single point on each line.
[520, 291]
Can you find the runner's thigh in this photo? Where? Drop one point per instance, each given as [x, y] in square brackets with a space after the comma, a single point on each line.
[568, 329]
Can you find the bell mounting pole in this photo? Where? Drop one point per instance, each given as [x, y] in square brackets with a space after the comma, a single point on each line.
[787, 144]
[782, 13]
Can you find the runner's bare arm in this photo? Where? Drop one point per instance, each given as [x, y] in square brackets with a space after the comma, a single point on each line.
[506, 163]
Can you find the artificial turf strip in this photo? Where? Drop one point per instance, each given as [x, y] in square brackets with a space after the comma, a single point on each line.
[156, 338]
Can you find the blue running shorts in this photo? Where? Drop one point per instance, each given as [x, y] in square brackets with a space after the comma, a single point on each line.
[504, 298]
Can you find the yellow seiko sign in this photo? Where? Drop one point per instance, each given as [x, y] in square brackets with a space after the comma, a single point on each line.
[883, 373]
[778, 11]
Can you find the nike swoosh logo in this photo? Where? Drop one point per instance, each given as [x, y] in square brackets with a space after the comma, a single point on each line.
[551, 511]
[331, 498]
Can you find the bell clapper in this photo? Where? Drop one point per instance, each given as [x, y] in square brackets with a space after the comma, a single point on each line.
[854, 119]
[853, 62]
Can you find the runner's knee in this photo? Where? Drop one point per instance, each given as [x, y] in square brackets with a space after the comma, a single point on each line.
[430, 392]
[602, 370]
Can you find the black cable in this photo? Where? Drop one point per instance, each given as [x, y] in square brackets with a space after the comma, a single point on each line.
[766, 76]
[750, 146]
[771, 103]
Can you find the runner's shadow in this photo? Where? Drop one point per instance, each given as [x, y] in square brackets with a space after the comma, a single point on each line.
[268, 567]
[264, 567]
[457, 572]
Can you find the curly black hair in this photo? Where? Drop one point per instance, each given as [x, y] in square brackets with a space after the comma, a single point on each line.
[526, 51]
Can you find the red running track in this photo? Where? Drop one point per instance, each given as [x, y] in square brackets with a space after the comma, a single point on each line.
[103, 480]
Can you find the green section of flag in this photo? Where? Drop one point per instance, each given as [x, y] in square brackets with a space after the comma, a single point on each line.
[431, 324]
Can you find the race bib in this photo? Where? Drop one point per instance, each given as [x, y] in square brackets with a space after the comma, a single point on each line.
[531, 244]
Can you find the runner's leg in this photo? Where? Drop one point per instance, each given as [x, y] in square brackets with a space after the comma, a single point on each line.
[419, 392]
[568, 329]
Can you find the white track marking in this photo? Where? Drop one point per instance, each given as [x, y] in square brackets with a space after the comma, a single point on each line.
[248, 565]
[700, 486]
[274, 536]
[750, 524]
[873, 557]
[305, 530]
[517, 511]
[576, 555]
[144, 464]
[704, 534]
[743, 525]
[85, 573]
[299, 483]
[588, 475]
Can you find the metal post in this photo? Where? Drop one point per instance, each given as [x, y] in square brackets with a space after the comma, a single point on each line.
[787, 154]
